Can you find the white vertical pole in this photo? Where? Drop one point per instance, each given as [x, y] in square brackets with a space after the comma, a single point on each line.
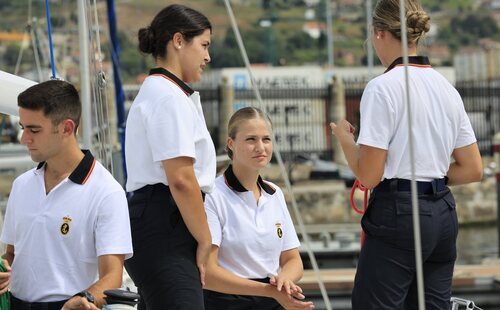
[329, 34]
[414, 197]
[369, 33]
[85, 76]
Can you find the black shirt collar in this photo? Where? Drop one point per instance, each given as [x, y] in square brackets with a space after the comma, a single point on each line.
[235, 184]
[412, 60]
[82, 171]
[162, 71]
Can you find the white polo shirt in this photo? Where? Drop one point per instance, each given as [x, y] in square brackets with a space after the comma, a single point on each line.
[58, 237]
[440, 123]
[166, 121]
[250, 235]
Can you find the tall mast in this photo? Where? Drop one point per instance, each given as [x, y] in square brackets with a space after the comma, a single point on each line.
[83, 34]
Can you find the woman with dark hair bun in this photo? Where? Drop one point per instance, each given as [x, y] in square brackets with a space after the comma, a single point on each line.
[170, 161]
[386, 271]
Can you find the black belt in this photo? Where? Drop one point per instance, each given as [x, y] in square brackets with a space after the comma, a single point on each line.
[263, 280]
[18, 304]
[159, 186]
[403, 185]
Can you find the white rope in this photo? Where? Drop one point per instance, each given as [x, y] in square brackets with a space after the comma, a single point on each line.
[36, 52]
[25, 40]
[21, 50]
[277, 155]
[369, 33]
[98, 38]
[414, 197]
[98, 89]
[243, 51]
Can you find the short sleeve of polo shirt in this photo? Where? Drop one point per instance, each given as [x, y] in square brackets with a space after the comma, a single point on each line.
[214, 222]
[170, 127]
[290, 239]
[377, 119]
[8, 231]
[112, 231]
[466, 133]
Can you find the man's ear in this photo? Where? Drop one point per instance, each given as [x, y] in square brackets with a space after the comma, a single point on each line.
[69, 127]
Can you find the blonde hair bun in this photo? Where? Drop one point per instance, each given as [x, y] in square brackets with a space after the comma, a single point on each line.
[418, 23]
[386, 18]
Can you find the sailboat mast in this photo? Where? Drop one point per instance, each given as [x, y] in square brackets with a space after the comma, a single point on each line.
[85, 94]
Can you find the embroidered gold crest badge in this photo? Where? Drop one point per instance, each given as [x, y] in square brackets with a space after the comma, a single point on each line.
[65, 226]
[278, 230]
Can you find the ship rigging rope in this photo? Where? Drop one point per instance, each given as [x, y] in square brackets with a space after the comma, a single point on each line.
[277, 155]
[25, 39]
[103, 146]
[29, 32]
[49, 33]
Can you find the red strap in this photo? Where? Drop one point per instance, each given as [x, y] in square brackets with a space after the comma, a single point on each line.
[358, 184]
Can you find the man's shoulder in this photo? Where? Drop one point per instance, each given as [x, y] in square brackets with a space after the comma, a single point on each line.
[103, 180]
[27, 176]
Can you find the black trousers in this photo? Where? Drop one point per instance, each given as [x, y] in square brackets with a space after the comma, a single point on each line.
[385, 275]
[164, 263]
[221, 301]
[18, 304]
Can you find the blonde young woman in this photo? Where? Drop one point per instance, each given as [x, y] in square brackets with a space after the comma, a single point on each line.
[171, 164]
[385, 277]
[254, 262]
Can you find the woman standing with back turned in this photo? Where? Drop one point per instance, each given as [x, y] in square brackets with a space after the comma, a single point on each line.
[171, 164]
[385, 277]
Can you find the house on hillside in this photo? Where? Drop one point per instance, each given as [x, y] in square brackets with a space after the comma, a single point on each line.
[478, 63]
[439, 54]
[314, 29]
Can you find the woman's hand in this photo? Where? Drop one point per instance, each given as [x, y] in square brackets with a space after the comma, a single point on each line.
[289, 295]
[77, 303]
[5, 278]
[342, 129]
[282, 282]
[202, 254]
[290, 302]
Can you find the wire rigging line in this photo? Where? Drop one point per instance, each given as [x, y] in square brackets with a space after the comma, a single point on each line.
[49, 32]
[34, 42]
[103, 145]
[243, 50]
[414, 197]
[277, 155]
[25, 39]
[98, 37]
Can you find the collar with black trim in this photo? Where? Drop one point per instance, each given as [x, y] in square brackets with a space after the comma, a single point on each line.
[233, 182]
[171, 77]
[414, 61]
[83, 171]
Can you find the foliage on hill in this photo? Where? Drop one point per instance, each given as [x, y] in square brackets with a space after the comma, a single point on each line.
[282, 42]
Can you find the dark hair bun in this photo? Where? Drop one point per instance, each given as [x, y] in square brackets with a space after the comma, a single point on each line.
[146, 40]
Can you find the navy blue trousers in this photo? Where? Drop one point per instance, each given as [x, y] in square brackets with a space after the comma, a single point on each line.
[221, 301]
[164, 263]
[386, 271]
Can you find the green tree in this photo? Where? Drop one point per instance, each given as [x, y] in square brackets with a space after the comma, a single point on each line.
[132, 62]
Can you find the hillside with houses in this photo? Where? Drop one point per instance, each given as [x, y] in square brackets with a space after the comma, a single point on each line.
[276, 32]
